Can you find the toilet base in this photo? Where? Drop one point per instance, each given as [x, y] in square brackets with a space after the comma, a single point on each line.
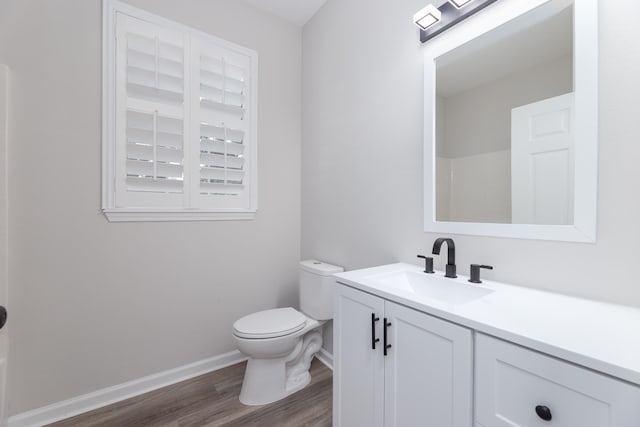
[269, 380]
[264, 382]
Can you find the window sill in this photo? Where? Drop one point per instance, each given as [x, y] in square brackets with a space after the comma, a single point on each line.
[133, 215]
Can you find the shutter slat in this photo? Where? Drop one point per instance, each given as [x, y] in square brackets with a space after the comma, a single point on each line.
[147, 61]
[144, 121]
[220, 119]
[218, 160]
[145, 152]
[235, 135]
[154, 186]
[141, 77]
[216, 80]
[218, 132]
[234, 111]
[221, 189]
[218, 66]
[141, 136]
[145, 169]
[152, 94]
[218, 147]
[218, 175]
[173, 110]
[211, 174]
[145, 44]
[211, 131]
[217, 95]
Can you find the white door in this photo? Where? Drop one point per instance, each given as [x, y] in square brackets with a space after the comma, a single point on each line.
[542, 162]
[358, 363]
[4, 339]
[428, 371]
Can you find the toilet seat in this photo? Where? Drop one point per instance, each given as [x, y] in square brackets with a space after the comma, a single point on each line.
[269, 323]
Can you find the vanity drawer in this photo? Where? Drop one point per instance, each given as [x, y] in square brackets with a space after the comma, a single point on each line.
[512, 381]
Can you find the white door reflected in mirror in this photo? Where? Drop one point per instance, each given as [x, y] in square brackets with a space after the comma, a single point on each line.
[542, 162]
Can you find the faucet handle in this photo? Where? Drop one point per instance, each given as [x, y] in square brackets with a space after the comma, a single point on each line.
[428, 263]
[475, 272]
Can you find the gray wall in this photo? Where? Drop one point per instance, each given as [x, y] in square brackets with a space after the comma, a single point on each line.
[486, 109]
[93, 303]
[362, 151]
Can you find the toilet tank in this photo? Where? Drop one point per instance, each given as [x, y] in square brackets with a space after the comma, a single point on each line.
[316, 288]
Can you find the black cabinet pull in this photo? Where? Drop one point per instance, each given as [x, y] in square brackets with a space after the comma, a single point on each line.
[374, 340]
[544, 412]
[385, 337]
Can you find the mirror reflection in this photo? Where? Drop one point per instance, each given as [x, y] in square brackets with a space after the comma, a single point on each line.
[504, 125]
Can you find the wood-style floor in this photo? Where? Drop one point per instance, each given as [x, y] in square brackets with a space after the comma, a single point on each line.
[212, 400]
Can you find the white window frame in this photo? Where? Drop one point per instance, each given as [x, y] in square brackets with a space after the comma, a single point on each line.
[190, 211]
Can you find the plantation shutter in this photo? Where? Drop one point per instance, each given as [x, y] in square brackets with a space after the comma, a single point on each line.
[223, 125]
[150, 114]
[179, 122]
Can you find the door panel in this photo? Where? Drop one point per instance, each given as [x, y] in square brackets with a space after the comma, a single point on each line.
[428, 371]
[358, 379]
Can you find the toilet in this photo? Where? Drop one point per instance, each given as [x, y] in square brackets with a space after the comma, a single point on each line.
[282, 342]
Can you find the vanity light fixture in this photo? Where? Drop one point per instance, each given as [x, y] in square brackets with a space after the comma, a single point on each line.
[449, 14]
[460, 3]
[426, 17]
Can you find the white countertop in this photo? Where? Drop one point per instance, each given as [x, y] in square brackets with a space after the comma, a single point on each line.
[601, 336]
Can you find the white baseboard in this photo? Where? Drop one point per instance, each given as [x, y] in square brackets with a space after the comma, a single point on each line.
[325, 357]
[106, 396]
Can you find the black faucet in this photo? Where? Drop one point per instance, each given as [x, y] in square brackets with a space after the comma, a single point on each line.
[450, 270]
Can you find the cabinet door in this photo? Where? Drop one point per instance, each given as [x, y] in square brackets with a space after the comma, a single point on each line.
[358, 369]
[428, 371]
[512, 381]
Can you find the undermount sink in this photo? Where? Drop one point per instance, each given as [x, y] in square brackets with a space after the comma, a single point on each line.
[438, 288]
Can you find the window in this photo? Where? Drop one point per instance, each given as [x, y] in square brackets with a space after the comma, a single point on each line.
[179, 121]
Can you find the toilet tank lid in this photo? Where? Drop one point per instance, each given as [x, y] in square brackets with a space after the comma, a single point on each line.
[319, 267]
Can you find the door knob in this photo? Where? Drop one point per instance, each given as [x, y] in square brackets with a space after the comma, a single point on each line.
[3, 316]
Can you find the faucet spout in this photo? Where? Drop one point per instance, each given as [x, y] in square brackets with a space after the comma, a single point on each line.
[451, 255]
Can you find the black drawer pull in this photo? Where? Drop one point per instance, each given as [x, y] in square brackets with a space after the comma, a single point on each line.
[374, 340]
[385, 345]
[544, 412]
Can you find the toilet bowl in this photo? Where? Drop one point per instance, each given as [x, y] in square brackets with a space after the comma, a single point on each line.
[281, 343]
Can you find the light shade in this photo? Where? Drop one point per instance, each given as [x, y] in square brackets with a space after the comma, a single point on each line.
[459, 3]
[427, 16]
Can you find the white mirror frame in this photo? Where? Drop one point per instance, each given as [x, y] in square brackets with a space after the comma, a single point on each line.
[586, 120]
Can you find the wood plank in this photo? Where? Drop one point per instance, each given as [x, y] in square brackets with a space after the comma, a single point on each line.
[212, 400]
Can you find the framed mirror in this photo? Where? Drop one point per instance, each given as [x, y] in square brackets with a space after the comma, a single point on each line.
[511, 122]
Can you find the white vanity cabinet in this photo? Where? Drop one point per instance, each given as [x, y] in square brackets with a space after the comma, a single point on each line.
[424, 379]
[461, 357]
[513, 384]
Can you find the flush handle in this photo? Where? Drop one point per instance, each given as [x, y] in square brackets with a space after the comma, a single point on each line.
[374, 340]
